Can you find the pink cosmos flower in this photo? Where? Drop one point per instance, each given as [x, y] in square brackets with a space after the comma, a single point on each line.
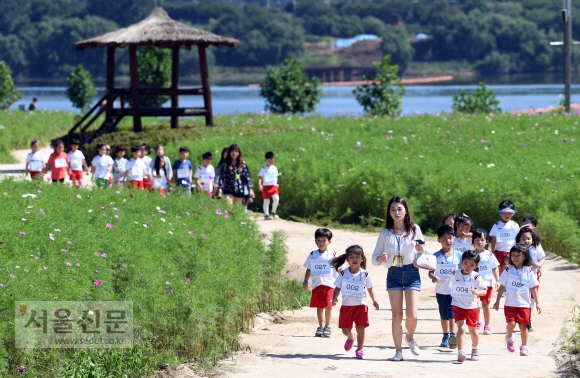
[22, 369]
[57, 314]
[68, 263]
[131, 196]
[187, 212]
[79, 196]
[109, 225]
[104, 255]
[206, 208]
[264, 235]
[118, 192]
[97, 282]
[117, 216]
[163, 212]
[218, 212]
[103, 207]
[36, 258]
[12, 276]
[226, 216]
[39, 191]
[64, 250]
[202, 236]
[564, 140]
[186, 279]
[191, 233]
[77, 264]
[27, 212]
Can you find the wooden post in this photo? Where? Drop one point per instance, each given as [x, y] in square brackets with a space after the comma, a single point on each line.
[110, 80]
[135, 105]
[205, 84]
[175, 84]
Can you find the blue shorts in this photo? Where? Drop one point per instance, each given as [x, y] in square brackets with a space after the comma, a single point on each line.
[445, 307]
[404, 278]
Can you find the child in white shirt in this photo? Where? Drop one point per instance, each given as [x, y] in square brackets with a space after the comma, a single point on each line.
[119, 165]
[352, 282]
[136, 169]
[147, 184]
[463, 233]
[160, 172]
[466, 287]
[268, 185]
[488, 270]
[521, 284]
[531, 240]
[503, 233]
[77, 163]
[205, 175]
[101, 166]
[35, 164]
[448, 261]
[318, 268]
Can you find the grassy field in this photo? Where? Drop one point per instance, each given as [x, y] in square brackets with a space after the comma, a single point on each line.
[195, 272]
[344, 170]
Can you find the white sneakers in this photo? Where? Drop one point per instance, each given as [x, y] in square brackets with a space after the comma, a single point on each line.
[413, 346]
[397, 357]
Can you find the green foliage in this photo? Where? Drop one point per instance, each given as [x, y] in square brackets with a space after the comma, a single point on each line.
[166, 255]
[9, 94]
[385, 95]
[396, 44]
[288, 90]
[80, 87]
[482, 100]
[154, 67]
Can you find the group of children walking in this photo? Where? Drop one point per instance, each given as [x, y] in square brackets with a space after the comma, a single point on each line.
[466, 274]
[231, 178]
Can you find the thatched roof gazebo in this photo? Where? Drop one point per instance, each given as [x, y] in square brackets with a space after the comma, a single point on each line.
[157, 30]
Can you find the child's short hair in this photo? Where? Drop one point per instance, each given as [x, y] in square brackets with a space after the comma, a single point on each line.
[183, 149]
[471, 255]
[531, 220]
[535, 237]
[119, 148]
[480, 233]
[507, 206]
[57, 143]
[339, 261]
[445, 230]
[74, 141]
[269, 155]
[135, 148]
[34, 141]
[449, 216]
[323, 233]
[524, 250]
[207, 156]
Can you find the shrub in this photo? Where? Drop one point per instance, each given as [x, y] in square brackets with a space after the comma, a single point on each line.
[9, 94]
[482, 100]
[385, 95]
[288, 90]
[80, 87]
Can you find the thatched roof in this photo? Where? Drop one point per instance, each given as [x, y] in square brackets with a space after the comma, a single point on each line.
[157, 30]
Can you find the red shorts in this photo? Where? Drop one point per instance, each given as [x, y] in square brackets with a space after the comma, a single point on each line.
[76, 175]
[487, 296]
[137, 184]
[519, 315]
[269, 191]
[501, 257]
[359, 315]
[321, 296]
[34, 174]
[147, 184]
[470, 315]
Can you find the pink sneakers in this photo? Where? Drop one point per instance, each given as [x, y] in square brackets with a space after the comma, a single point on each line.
[479, 326]
[350, 342]
[360, 354]
[510, 343]
[487, 330]
[524, 351]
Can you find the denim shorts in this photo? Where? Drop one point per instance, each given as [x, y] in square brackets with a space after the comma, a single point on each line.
[445, 307]
[404, 278]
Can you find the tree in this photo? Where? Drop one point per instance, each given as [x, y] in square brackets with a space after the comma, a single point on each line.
[9, 94]
[288, 90]
[482, 100]
[385, 95]
[80, 87]
[154, 68]
[396, 44]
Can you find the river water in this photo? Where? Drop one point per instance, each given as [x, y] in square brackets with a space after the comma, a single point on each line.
[341, 101]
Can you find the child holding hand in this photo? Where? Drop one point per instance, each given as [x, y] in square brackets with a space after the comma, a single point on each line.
[521, 284]
[466, 287]
[487, 269]
[352, 282]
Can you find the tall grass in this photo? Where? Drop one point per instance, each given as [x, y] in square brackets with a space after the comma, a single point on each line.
[345, 169]
[195, 272]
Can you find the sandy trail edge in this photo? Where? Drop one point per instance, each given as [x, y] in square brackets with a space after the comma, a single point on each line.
[290, 350]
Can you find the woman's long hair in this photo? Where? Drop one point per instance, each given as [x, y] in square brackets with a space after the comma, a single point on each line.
[240, 160]
[157, 165]
[390, 223]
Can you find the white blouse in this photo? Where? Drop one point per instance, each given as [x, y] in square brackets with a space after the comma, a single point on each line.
[393, 245]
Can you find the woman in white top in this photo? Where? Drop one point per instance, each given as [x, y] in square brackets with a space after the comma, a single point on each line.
[397, 247]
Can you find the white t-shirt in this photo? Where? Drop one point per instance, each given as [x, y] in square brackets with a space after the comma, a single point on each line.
[511, 277]
[462, 245]
[453, 258]
[323, 279]
[269, 175]
[362, 275]
[205, 175]
[101, 164]
[537, 254]
[487, 262]
[76, 160]
[35, 161]
[159, 182]
[505, 235]
[392, 245]
[137, 173]
[477, 282]
[147, 160]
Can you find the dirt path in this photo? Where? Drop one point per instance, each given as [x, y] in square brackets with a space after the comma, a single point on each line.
[290, 350]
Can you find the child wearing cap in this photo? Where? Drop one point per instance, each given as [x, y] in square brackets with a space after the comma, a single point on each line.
[205, 175]
[503, 233]
[77, 163]
[268, 185]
